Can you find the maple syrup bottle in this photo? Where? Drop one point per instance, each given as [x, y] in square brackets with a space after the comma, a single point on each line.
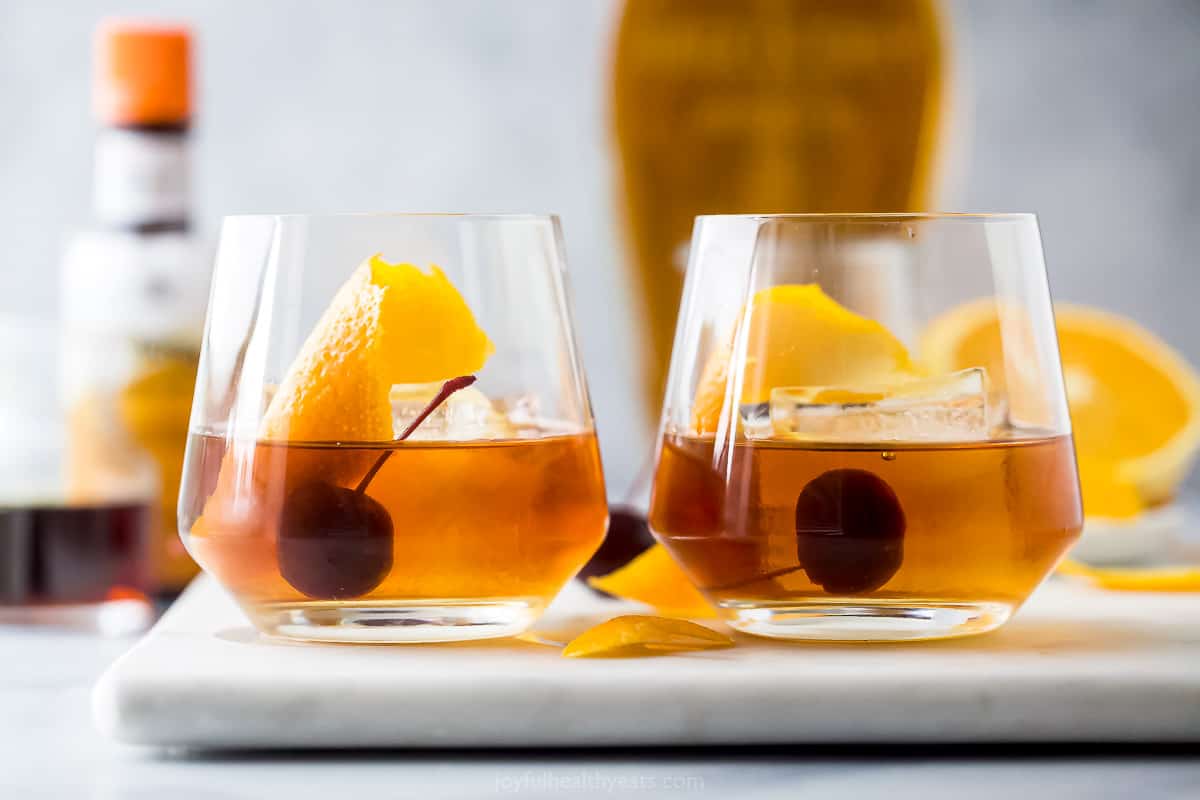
[134, 287]
[777, 106]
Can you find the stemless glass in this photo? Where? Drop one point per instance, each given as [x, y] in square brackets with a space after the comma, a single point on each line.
[865, 432]
[299, 495]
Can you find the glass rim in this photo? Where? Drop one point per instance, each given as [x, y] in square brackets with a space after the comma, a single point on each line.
[879, 216]
[466, 215]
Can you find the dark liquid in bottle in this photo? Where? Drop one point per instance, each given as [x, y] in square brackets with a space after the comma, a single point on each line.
[58, 555]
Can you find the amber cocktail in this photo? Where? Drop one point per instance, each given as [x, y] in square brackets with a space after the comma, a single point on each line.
[971, 529]
[498, 523]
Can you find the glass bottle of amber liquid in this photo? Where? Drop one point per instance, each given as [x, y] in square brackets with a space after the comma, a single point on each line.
[134, 287]
[751, 107]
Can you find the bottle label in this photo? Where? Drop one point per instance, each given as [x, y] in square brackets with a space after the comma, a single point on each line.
[123, 292]
[141, 177]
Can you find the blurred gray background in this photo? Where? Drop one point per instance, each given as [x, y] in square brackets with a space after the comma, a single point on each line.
[1086, 112]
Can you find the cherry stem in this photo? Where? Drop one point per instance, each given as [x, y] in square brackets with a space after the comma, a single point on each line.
[448, 388]
[766, 576]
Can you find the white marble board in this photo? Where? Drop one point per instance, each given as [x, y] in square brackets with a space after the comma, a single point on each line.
[1076, 664]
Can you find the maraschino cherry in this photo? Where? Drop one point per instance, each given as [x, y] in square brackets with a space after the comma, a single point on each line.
[335, 543]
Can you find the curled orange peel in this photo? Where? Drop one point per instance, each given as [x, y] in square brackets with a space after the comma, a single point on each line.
[388, 324]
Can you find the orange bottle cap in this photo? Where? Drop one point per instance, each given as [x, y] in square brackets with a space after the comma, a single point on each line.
[142, 73]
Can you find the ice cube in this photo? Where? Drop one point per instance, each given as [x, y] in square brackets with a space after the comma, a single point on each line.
[521, 410]
[756, 420]
[946, 408]
[525, 416]
[467, 414]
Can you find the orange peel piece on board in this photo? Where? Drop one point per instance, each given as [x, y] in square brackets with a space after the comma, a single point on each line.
[1141, 579]
[799, 336]
[634, 635]
[655, 579]
[388, 324]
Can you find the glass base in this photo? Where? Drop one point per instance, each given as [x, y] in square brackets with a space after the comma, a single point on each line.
[396, 621]
[864, 620]
[107, 618]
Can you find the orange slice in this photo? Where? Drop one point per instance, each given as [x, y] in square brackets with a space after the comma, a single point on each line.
[635, 635]
[1104, 492]
[798, 336]
[389, 324]
[1135, 403]
[655, 579]
[1144, 579]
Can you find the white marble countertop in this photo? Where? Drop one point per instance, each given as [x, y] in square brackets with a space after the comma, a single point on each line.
[1075, 664]
[49, 749]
